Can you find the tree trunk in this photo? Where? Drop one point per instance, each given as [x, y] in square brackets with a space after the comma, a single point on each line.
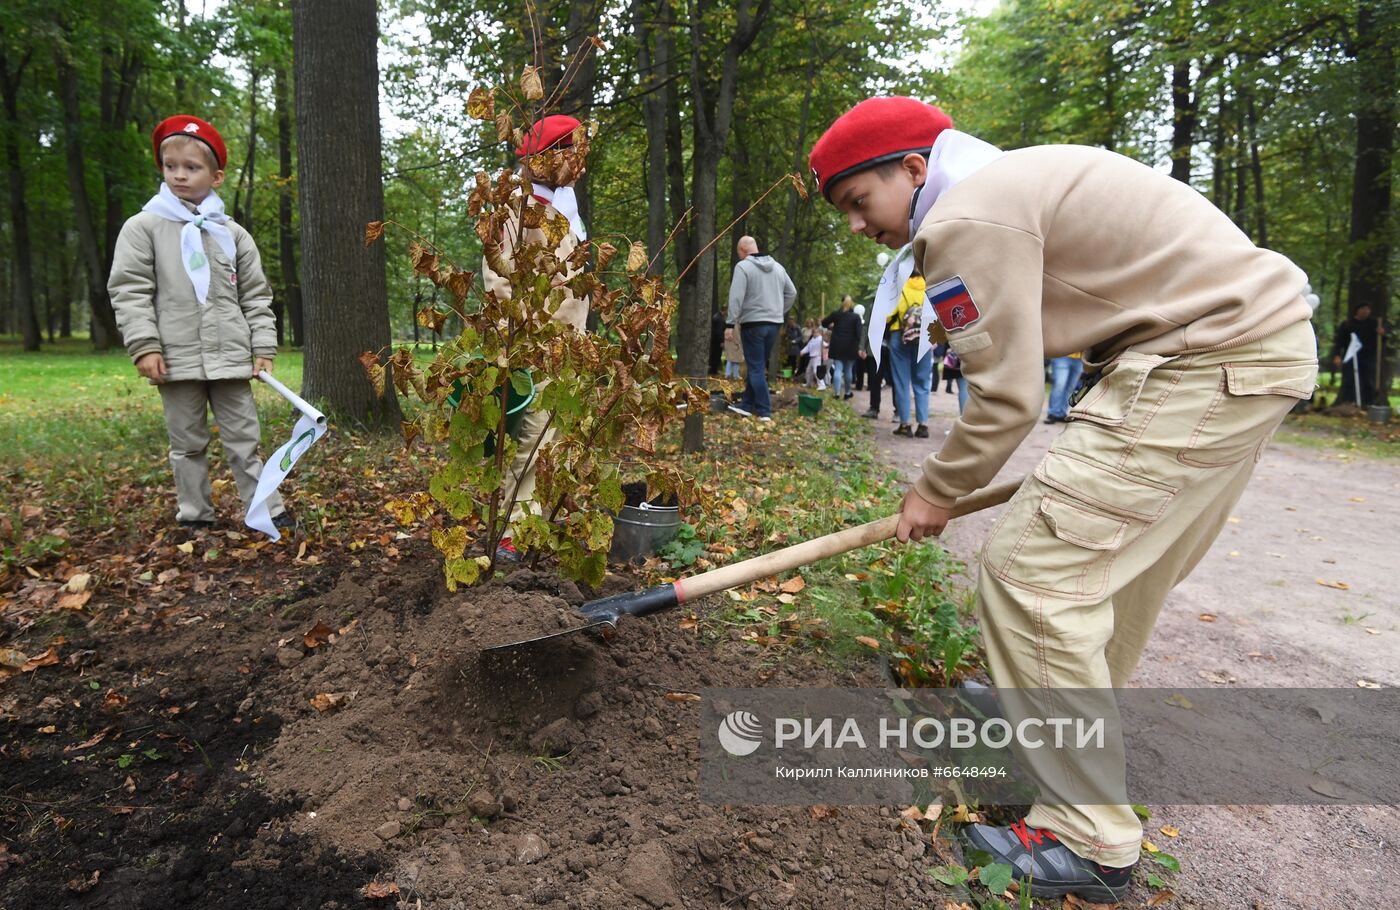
[336, 72]
[1217, 169]
[578, 97]
[286, 240]
[243, 206]
[799, 152]
[104, 320]
[22, 275]
[1184, 115]
[714, 110]
[1369, 281]
[656, 68]
[120, 69]
[1261, 228]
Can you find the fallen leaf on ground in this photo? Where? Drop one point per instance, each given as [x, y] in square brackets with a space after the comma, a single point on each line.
[74, 601]
[330, 701]
[78, 583]
[793, 585]
[317, 635]
[1207, 617]
[1161, 897]
[682, 696]
[1170, 830]
[380, 890]
[47, 659]
[1326, 788]
[1339, 585]
[1180, 701]
[868, 641]
[1367, 684]
[187, 547]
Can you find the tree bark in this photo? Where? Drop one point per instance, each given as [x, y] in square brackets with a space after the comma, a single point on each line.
[104, 320]
[335, 68]
[243, 205]
[799, 151]
[656, 69]
[1256, 169]
[1369, 280]
[286, 240]
[712, 115]
[22, 275]
[1184, 116]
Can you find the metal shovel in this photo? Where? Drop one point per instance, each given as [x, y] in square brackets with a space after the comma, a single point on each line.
[607, 611]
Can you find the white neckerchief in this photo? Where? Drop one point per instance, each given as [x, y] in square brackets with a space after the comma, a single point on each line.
[209, 217]
[565, 203]
[954, 157]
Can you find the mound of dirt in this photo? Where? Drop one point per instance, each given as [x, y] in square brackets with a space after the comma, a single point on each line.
[352, 733]
[558, 776]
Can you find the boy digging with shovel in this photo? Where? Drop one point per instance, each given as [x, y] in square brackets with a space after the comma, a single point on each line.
[1197, 343]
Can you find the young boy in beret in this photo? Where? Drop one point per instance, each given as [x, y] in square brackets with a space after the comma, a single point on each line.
[195, 313]
[554, 131]
[1196, 342]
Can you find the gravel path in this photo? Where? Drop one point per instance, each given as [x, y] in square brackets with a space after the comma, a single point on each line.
[1309, 516]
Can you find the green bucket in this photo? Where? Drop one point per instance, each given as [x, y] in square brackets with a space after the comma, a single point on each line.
[808, 405]
[787, 372]
[516, 405]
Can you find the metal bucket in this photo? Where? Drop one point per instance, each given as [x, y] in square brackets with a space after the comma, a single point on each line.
[1378, 413]
[719, 402]
[639, 531]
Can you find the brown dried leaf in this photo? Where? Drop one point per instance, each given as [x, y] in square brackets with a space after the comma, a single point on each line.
[459, 283]
[380, 890]
[317, 635]
[373, 231]
[505, 126]
[1161, 897]
[78, 601]
[868, 641]
[800, 185]
[606, 251]
[47, 659]
[433, 319]
[370, 361]
[637, 256]
[481, 104]
[682, 696]
[793, 585]
[328, 701]
[531, 85]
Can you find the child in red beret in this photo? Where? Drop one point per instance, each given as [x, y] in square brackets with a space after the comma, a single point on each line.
[1197, 344]
[194, 310]
[557, 196]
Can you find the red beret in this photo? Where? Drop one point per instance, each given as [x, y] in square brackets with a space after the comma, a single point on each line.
[873, 132]
[556, 130]
[185, 125]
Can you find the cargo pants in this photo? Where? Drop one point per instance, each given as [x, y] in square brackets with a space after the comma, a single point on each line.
[187, 404]
[1121, 509]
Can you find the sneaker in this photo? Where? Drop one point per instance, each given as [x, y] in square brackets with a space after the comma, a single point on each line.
[922, 431]
[903, 430]
[187, 524]
[766, 419]
[871, 414]
[506, 553]
[735, 409]
[821, 386]
[982, 698]
[1047, 867]
[285, 522]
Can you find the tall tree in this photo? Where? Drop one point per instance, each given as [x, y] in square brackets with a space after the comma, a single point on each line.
[712, 115]
[1376, 30]
[335, 45]
[286, 239]
[22, 280]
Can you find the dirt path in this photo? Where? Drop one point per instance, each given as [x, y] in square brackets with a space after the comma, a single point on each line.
[1309, 515]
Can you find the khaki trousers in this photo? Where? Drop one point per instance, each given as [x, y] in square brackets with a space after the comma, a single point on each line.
[522, 476]
[1121, 509]
[187, 405]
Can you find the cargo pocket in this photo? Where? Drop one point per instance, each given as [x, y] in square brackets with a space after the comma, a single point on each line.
[1062, 535]
[1110, 401]
[1250, 401]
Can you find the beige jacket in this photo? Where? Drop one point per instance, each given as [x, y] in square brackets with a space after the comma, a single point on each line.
[1069, 248]
[572, 310]
[157, 309]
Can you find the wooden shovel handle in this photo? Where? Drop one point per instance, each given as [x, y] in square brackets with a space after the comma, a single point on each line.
[809, 551]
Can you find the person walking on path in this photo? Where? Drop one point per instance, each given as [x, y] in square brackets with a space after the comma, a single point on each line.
[760, 295]
[846, 330]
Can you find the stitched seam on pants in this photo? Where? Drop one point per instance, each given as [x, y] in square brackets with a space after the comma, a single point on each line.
[1021, 541]
[1048, 592]
[1147, 419]
[1200, 428]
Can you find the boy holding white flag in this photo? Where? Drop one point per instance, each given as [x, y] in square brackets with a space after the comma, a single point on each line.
[194, 310]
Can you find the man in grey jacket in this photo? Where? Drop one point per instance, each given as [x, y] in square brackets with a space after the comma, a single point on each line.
[760, 294]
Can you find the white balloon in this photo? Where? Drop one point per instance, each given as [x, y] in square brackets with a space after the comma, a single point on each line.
[883, 259]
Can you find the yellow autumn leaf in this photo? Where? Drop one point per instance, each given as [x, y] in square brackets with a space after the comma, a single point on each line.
[481, 104]
[868, 641]
[637, 256]
[531, 85]
[1170, 830]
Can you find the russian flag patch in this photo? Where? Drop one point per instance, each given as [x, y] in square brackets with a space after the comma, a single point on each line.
[953, 303]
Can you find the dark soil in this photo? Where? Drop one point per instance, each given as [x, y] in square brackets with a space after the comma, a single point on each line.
[559, 776]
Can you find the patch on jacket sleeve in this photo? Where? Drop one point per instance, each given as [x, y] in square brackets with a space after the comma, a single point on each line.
[971, 344]
[953, 303]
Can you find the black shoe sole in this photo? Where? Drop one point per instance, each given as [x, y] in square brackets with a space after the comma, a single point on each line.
[1094, 893]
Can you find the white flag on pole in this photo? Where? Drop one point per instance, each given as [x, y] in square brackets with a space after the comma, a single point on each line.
[311, 426]
[1352, 349]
